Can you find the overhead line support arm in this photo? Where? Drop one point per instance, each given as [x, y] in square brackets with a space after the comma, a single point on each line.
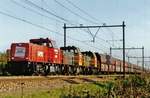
[123, 31]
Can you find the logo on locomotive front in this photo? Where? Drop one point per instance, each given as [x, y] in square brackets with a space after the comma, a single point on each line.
[40, 54]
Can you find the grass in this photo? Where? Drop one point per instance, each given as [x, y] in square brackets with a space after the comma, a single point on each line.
[137, 86]
[78, 90]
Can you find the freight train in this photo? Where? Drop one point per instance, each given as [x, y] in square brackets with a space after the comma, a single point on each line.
[41, 57]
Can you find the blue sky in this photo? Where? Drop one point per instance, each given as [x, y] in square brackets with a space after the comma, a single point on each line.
[135, 13]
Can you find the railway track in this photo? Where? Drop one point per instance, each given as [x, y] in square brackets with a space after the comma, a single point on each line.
[58, 76]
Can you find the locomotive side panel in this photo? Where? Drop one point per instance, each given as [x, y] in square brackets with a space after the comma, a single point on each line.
[93, 61]
[72, 55]
[38, 53]
[68, 58]
[55, 55]
[89, 59]
[29, 52]
[86, 60]
[78, 59]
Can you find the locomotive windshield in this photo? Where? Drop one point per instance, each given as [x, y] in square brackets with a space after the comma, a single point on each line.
[20, 52]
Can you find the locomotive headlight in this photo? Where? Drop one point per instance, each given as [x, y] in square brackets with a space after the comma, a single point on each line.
[56, 56]
[19, 44]
[12, 58]
[27, 58]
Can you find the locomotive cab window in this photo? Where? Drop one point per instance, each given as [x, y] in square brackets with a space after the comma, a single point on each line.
[20, 52]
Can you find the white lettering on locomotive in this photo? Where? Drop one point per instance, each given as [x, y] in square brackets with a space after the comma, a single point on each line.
[40, 54]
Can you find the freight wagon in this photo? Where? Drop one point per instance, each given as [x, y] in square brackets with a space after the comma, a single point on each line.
[40, 56]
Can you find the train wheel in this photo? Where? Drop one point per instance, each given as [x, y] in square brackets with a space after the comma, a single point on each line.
[75, 70]
[66, 69]
[71, 69]
[83, 70]
[47, 69]
[86, 71]
[90, 70]
[59, 71]
[40, 69]
[78, 70]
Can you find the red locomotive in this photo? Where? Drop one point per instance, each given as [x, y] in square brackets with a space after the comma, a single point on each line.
[34, 56]
[40, 56]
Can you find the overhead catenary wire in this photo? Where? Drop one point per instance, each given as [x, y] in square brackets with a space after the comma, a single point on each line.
[39, 26]
[74, 23]
[86, 13]
[31, 10]
[104, 46]
[83, 18]
[89, 45]
[81, 10]
[26, 21]
[27, 0]
[49, 12]
[45, 10]
[99, 38]
[32, 4]
[79, 16]
[90, 16]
